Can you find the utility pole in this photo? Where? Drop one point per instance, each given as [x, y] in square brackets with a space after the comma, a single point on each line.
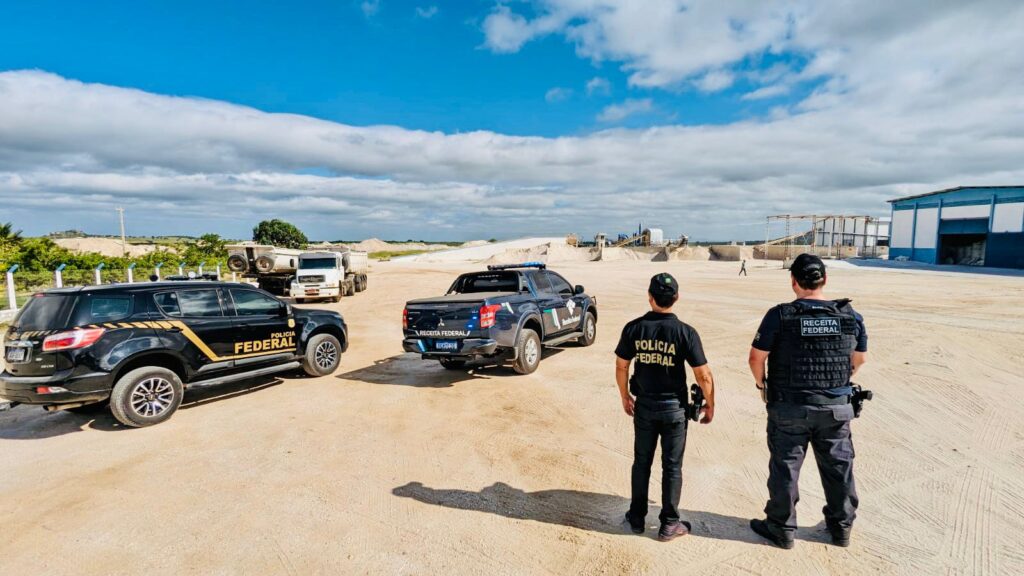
[124, 243]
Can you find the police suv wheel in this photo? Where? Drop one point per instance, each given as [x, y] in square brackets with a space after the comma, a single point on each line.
[589, 330]
[452, 363]
[323, 355]
[528, 352]
[146, 396]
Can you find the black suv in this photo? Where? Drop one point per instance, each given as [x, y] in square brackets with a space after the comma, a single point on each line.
[141, 345]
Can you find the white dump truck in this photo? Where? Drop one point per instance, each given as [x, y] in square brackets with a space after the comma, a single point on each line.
[269, 267]
[329, 275]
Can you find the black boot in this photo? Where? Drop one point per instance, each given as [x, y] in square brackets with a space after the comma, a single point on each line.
[782, 540]
[840, 537]
[634, 527]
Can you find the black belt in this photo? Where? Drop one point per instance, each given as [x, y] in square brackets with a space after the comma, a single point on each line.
[809, 398]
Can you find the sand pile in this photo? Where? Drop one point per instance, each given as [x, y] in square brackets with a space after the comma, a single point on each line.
[550, 252]
[378, 245]
[690, 253]
[105, 246]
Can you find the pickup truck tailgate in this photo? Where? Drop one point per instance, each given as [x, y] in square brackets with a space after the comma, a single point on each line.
[444, 319]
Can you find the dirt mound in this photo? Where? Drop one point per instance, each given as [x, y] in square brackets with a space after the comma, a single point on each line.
[378, 245]
[690, 253]
[548, 253]
[105, 246]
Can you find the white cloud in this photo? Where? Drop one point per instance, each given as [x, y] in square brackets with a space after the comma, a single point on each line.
[625, 109]
[764, 92]
[715, 81]
[506, 31]
[598, 85]
[557, 94]
[370, 7]
[902, 106]
[426, 12]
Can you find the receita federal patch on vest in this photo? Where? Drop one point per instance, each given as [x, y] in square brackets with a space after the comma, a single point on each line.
[820, 327]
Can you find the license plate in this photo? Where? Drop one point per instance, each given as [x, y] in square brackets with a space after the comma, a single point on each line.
[17, 354]
[452, 345]
[312, 292]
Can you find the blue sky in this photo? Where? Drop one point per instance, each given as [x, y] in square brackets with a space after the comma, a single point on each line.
[331, 60]
[486, 118]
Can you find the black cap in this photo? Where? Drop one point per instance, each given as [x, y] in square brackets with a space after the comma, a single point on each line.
[807, 268]
[663, 285]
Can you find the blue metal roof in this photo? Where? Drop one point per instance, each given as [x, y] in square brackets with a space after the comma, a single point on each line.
[969, 194]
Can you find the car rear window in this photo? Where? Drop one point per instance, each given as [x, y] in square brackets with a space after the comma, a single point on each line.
[45, 312]
[100, 308]
[486, 282]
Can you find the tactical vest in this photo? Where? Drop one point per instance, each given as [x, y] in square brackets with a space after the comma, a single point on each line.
[813, 348]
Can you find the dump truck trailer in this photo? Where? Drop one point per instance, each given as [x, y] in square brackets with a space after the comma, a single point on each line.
[268, 267]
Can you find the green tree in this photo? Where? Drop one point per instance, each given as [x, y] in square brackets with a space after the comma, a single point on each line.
[208, 248]
[38, 254]
[10, 241]
[8, 235]
[279, 233]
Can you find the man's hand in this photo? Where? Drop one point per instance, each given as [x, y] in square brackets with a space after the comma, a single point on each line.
[627, 404]
[707, 413]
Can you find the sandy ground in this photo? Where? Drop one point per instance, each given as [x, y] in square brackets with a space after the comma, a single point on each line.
[395, 466]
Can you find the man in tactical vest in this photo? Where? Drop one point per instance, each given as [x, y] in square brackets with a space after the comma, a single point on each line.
[659, 344]
[813, 347]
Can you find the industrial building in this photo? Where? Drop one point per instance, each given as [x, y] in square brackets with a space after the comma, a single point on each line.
[969, 225]
[859, 231]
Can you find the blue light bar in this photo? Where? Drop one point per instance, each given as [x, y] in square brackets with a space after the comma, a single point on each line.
[538, 265]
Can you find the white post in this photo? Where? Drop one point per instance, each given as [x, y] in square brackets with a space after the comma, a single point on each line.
[201, 264]
[181, 269]
[99, 277]
[234, 276]
[131, 273]
[218, 271]
[58, 276]
[11, 296]
[156, 270]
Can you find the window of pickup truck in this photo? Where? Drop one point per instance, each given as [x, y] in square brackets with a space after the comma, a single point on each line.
[486, 282]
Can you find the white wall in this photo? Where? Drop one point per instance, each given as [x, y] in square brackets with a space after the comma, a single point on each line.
[902, 228]
[927, 228]
[1008, 217]
[962, 212]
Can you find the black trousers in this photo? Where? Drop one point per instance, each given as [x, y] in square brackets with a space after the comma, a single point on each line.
[791, 427]
[655, 420]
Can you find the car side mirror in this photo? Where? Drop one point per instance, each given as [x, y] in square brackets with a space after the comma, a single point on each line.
[578, 290]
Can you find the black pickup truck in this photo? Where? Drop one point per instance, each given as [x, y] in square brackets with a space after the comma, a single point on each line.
[507, 313]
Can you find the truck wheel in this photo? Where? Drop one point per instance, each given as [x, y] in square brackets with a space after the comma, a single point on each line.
[528, 352]
[365, 281]
[350, 288]
[341, 292]
[452, 363]
[146, 396]
[323, 354]
[589, 330]
[358, 283]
